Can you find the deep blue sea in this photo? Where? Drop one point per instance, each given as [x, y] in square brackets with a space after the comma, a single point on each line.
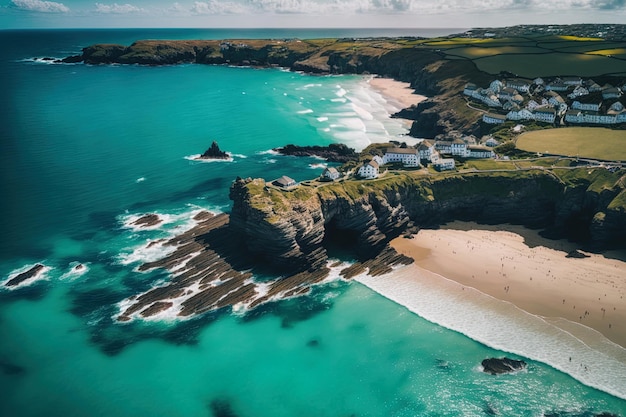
[87, 149]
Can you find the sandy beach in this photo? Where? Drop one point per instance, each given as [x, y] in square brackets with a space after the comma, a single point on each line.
[398, 93]
[517, 265]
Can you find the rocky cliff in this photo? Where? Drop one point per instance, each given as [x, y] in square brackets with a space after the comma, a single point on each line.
[292, 229]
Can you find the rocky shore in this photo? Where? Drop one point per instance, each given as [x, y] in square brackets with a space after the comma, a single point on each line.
[335, 152]
[211, 269]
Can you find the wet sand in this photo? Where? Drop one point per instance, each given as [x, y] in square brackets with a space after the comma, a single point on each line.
[400, 94]
[517, 265]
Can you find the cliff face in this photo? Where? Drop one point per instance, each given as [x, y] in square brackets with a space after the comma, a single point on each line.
[290, 229]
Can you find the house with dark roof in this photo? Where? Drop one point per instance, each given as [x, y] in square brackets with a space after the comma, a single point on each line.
[369, 170]
[285, 182]
[330, 174]
[409, 157]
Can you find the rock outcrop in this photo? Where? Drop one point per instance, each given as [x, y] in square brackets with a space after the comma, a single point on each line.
[497, 366]
[290, 229]
[335, 152]
[214, 152]
[31, 273]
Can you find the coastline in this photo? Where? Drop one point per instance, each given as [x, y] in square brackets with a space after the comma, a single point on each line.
[398, 93]
[486, 293]
[517, 265]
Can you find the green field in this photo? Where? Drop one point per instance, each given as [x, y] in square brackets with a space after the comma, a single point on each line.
[584, 142]
[542, 65]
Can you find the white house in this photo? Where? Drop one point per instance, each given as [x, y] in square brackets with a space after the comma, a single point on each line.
[589, 105]
[409, 157]
[285, 182]
[546, 115]
[578, 92]
[493, 119]
[330, 174]
[492, 142]
[496, 86]
[507, 93]
[572, 80]
[368, 170]
[557, 86]
[480, 152]
[593, 86]
[611, 92]
[574, 116]
[427, 151]
[522, 114]
[458, 147]
[470, 89]
[520, 85]
[444, 164]
[616, 107]
[554, 98]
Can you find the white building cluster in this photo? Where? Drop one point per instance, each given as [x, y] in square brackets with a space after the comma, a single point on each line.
[574, 99]
[425, 152]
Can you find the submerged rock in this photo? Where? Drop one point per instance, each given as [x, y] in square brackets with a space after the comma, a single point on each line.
[148, 220]
[496, 366]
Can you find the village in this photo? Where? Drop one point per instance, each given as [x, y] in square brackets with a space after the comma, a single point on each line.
[439, 153]
[560, 101]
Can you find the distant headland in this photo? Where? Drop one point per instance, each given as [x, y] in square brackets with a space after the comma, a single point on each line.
[439, 68]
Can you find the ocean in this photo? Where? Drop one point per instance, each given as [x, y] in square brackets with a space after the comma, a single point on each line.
[88, 149]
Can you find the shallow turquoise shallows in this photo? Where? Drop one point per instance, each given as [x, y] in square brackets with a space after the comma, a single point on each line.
[86, 149]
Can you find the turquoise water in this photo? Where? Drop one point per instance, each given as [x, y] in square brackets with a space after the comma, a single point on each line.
[85, 149]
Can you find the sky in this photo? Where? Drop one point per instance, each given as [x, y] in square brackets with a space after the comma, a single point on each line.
[305, 13]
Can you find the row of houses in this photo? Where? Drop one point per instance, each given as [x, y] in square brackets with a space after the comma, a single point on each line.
[426, 152]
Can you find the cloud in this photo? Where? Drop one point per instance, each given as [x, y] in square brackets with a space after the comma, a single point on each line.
[118, 8]
[39, 6]
[611, 4]
[421, 7]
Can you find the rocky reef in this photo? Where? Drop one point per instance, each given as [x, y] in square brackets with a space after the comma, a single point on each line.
[497, 366]
[335, 152]
[22, 277]
[210, 268]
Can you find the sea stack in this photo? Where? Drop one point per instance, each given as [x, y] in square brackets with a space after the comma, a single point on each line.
[214, 152]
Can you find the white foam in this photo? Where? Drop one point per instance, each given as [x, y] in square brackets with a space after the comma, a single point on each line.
[269, 152]
[150, 251]
[503, 326]
[318, 166]
[196, 158]
[322, 119]
[76, 270]
[141, 179]
[41, 275]
[340, 91]
[307, 111]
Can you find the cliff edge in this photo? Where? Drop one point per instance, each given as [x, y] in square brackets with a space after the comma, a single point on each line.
[293, 230]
